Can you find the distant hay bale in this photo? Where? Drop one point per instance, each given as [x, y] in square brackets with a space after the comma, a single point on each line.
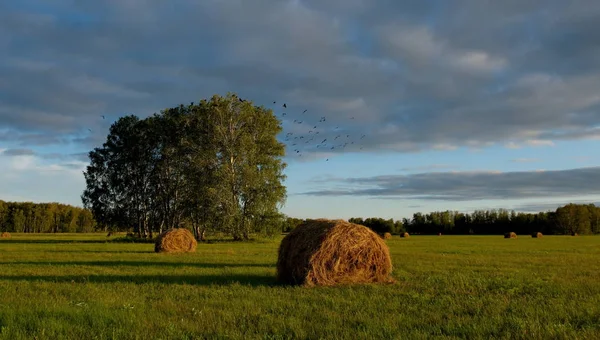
[510, 235]
[328, 252]
[175, 240]
[387, 236]
[439, 234]
[537, 235]
[574, 234]
[5, 234]
[405, 235]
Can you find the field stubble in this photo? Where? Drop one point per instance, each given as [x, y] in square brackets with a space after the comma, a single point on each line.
[450, 287]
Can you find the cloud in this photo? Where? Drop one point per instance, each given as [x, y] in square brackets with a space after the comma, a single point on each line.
[469, 185]
[78, 157]
[551, 206]
[428, 167]
[414, 76]
[34, 178]
[525, 160]
[18, 152]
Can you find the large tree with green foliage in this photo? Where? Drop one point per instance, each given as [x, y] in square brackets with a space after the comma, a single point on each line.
[212, 166]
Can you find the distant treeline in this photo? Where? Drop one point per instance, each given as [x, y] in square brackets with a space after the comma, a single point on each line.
[566, 220]
[28, 217]
[569, 219]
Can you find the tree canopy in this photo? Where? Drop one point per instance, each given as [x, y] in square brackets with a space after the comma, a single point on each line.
[216, 165]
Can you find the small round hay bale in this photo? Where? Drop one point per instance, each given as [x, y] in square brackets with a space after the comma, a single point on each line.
[329, 252]
[405, 235]
[175, 240]
[537, 235]
[510, 235]
[574, 234]
[387, 236]
[439, 234]
[5, 234]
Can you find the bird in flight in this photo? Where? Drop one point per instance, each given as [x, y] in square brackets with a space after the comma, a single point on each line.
[103, 117]
[284, 105]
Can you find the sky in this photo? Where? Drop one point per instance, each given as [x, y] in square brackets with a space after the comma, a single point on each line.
[463, 104]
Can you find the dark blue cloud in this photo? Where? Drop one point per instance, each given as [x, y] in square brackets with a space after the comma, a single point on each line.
[414, 74]
[470, 186]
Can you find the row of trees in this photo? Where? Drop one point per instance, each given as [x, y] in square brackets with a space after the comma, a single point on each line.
[380, 225]
[569, 219]
[28, 217]
[215, 165]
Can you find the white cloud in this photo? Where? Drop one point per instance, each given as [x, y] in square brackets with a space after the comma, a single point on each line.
[525, 160]
[538, 142]
[31, 178]
[480, 61]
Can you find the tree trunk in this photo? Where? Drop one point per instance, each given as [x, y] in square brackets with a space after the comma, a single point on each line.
[203, 234]
[244, 225]
[197, 232]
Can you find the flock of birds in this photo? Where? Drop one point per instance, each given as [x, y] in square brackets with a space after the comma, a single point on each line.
[313, 134]
[308, 134]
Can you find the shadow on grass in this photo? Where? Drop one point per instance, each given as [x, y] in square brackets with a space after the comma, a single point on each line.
[22, 241]
[100, 251]
[198, 280]
[139, 264]
[127, 241]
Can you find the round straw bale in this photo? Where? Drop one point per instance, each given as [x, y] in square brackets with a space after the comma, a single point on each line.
[510, 235]
[175, 240]
[387, 236]
[5, 234]
[405, 235]
[329, 252]
[537, 235]
[574, 234]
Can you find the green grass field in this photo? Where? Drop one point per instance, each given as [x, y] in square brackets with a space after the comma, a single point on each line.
[449, 287]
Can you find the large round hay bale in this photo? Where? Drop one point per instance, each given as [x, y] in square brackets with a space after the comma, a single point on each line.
[329, 252]
[175, 240]
[405, 235]
[387, 236]
[5, 234]
[510, 235]
[537, 235]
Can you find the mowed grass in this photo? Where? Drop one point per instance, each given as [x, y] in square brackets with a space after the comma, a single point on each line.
[449, 287]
